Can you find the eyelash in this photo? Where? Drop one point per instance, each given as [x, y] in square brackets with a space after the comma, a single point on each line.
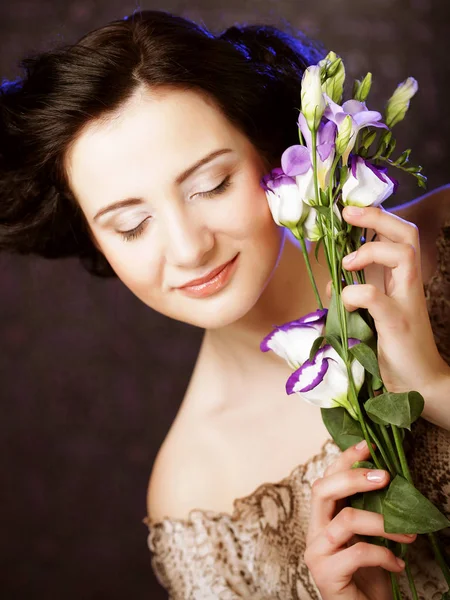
[132, 234]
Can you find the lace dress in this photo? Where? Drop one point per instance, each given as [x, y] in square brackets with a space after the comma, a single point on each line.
[257, 552]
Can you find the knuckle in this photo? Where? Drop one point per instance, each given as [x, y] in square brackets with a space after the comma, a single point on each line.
[370, 292]
[316, 488]
[413, 234]
[410, 252]
[385, 554]
[330, 536]
[347, 516]
[359, 550]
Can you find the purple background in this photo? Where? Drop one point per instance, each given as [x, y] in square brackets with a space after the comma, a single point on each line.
[90, 378]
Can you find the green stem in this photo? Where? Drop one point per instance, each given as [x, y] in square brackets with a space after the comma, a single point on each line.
[301, 239]
[439, 557]
[380, 447]
[412, 585]
[397, 595]
[388, 443]
[401, 454]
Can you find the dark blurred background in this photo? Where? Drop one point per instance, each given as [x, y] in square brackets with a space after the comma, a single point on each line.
[90, 378]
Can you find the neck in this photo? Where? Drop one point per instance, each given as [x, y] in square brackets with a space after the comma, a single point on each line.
[288, 296]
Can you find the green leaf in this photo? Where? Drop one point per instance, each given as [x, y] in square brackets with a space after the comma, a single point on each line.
[377, 383]
[315, 347]
[395, 409]
[333, 419]
[351, 427]
[367, 357]
[363, 464]
[406, 510]
[335, 343]
[332, 326]
[316, 250]
[323, 210]
[358, 328]
[357, 501]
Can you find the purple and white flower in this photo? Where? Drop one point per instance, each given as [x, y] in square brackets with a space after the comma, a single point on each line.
[366, 184]
[323, 381]
[293, 341]
[360, 115]
[284, 198]
[297, 160]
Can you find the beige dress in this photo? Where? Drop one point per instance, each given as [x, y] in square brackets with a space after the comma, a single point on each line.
[257, 552]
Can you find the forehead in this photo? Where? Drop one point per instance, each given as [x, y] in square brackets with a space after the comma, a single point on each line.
[148, 142]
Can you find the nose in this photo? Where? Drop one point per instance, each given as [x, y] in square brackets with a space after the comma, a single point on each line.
[188, 240]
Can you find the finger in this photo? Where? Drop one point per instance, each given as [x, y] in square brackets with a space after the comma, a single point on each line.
[383, 309]
[385, 223]
[328, 490]
[347, 459]
[401, 258]
[363, 554]
[350, 522]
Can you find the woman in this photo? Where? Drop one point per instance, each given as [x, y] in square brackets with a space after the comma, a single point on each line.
[141, 150]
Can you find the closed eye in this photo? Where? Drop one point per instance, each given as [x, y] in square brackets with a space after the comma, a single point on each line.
[225, 184]
[132, 234]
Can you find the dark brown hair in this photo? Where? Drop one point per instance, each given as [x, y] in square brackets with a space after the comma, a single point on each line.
[252, 73]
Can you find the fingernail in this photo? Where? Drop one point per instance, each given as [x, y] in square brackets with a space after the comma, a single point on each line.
[354, 210]
[410, 535]
[400, 562]
[348, 259]
[361, 445]
[376, 475]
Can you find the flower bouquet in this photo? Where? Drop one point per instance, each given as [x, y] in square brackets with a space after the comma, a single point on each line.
[342, 160]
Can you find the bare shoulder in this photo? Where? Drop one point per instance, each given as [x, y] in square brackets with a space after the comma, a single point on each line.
[181, 478]
[429, 212]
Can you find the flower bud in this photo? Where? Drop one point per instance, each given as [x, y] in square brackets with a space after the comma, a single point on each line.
[398, 103]
[333, 71]
[345, 130]
[313, 102]
[361, 89]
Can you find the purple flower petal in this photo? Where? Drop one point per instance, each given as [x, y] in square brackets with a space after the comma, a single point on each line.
[353, 342]
[303, 125]
[353, 107]
[309, 375]
[314, 317]
[326, 139]
[296, 160]
[369, 117]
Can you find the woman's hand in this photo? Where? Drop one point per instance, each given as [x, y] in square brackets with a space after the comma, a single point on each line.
[340, 570]
[394, 296]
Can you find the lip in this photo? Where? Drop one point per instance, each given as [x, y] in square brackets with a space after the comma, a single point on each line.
[211, 283]
[207, 277]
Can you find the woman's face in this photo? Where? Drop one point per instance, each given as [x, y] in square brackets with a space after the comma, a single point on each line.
[170, 189]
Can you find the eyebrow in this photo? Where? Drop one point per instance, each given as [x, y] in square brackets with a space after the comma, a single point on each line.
[179, 180]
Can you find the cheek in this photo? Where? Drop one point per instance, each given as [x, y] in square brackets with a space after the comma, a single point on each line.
[255, 219]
